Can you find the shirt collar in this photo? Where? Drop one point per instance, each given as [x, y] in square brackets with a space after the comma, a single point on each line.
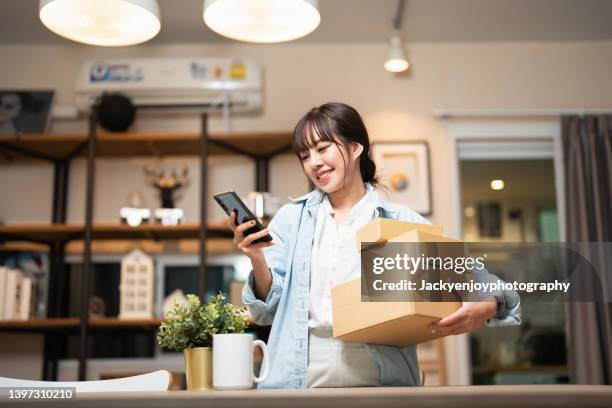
[315, 197]
[365, 201]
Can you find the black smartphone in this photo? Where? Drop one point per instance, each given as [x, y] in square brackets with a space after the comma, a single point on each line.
[230, 202]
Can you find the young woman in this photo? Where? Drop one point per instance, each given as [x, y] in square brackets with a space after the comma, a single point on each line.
[313, 249]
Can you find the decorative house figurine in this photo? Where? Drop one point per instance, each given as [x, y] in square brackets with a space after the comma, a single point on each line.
[177, 296]
[136, 288]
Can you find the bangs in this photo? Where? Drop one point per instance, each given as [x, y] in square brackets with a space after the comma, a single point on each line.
[312, 128]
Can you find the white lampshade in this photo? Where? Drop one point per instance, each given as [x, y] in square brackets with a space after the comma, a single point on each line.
[262, 21]
[396, 60]
[109, 23]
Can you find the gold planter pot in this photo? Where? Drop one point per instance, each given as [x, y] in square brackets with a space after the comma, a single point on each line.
[198, 368]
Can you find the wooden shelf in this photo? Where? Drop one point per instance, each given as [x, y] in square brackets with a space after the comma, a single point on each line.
[23, 246]
[47, 233]
[59, 147]
[70, 323]
[39, 325]
[116, 323]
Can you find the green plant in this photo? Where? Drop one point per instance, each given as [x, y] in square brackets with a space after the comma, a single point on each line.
[194, 324]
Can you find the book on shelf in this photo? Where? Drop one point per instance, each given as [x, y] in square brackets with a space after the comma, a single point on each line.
[24, 308]
[10, 294]
[16, 294]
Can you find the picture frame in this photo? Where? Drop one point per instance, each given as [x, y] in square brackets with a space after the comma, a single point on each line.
[25, 111]
[404, 167]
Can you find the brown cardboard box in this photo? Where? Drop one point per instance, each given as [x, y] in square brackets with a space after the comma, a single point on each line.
[380, 230]
[388, 323]
[418, 235]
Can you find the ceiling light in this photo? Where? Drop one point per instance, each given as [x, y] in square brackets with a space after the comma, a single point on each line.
[497, 184]
[396, 59]
[107, 23]
[262, 21]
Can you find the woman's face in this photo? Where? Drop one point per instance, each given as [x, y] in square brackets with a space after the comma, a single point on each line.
[329, 165]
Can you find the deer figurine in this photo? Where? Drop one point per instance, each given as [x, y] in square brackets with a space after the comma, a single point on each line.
[167, 185]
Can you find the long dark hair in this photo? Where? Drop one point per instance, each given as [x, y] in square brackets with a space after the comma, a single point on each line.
[333, 122]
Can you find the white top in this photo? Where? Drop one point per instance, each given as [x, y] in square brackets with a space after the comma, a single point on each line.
[335, 258]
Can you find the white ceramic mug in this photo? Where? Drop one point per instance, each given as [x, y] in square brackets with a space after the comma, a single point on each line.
[233, 361]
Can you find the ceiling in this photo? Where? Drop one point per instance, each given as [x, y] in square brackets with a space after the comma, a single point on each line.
[370, 21]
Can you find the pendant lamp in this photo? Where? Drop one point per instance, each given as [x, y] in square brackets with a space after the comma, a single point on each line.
[109, 23]
[262, 21]
[396, 59]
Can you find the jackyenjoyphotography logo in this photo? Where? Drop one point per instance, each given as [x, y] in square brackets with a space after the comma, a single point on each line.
[451, 271]
[472, 286]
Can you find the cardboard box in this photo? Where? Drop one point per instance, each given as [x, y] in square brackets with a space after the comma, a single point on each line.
[381, 230]
[388, 323]
[419, 235]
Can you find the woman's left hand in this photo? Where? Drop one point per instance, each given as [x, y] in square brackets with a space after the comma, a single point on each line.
[470, 316]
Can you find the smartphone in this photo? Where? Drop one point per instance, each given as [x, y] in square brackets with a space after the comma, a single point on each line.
[230, 202]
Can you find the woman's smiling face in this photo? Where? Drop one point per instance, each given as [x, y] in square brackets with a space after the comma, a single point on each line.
[325, 163]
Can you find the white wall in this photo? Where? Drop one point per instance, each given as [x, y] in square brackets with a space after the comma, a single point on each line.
[297, 77]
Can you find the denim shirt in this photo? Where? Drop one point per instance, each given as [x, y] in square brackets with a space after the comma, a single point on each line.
[286, 306]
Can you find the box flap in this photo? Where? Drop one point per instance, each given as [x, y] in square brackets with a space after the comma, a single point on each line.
[421, 236]
[380, 230]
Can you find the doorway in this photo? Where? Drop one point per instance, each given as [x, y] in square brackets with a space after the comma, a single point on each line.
[508, 193]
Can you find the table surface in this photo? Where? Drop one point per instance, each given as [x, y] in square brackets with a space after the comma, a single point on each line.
[497, 396]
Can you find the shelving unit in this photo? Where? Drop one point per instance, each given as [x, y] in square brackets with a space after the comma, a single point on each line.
[60, 150]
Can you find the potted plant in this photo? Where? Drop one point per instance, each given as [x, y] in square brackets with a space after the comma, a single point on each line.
[191, 328]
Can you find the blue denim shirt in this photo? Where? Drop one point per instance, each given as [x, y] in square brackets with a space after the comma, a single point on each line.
[286, 306]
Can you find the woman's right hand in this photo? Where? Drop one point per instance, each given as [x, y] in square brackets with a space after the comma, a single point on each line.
[245, 242]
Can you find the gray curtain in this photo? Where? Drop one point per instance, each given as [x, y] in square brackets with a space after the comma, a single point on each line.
[587, 150]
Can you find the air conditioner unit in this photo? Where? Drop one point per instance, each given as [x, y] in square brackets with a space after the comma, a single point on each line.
[173, 82]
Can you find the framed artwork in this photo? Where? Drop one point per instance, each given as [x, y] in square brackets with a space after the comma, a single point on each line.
[25, 111]
[404, 168]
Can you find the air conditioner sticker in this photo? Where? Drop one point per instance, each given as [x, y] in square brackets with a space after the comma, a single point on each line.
[238, 71]
[218, 73]
[101, 72]
[199, 71]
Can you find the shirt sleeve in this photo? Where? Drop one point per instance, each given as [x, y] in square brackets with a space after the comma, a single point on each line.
[511, 311]
[510, 314]
[263, 311]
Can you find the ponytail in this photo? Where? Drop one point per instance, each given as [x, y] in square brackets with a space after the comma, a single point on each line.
[367, 168]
